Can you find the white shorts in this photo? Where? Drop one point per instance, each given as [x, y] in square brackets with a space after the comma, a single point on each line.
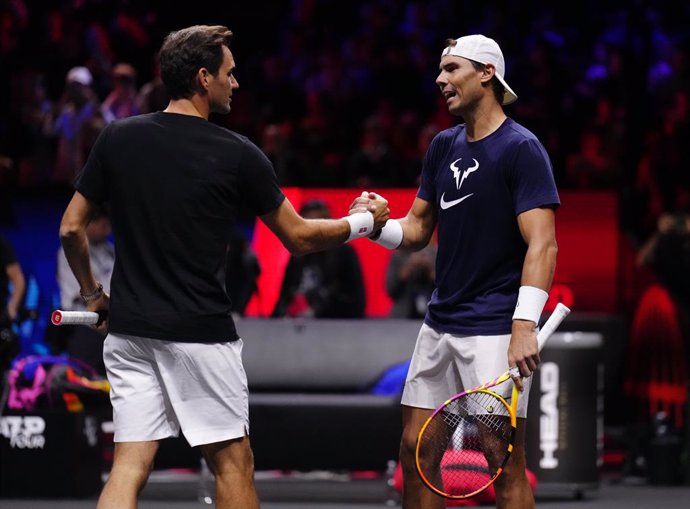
[444, 365]
[159, 387]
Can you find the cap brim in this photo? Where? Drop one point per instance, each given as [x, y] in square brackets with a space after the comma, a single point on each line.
[509, 96]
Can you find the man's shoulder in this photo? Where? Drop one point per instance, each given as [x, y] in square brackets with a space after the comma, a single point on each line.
[444, 139]
[519, 131]
[451, 132]
[182, 122]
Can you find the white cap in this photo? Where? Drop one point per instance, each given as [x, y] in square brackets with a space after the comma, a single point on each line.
[485, 51]
[80, 75]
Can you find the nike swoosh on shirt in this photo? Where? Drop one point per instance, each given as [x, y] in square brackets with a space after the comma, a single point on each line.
[448, 204]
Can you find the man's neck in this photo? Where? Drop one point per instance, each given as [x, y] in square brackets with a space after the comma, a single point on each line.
[484, 120]
[190, 107]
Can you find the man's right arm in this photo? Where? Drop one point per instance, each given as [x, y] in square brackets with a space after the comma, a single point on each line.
[412, 232]
[301, 236]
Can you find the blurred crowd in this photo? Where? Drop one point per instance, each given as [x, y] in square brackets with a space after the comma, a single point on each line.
[343, 93]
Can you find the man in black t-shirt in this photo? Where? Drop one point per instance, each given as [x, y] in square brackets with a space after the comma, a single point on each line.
[175, 183]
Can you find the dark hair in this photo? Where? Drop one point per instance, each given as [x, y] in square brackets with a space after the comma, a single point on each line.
[497, 87]
[186, 51]
[315, 205]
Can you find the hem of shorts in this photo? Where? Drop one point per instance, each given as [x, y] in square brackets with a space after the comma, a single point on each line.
[405, 401]
[123, 436]
[213, 435]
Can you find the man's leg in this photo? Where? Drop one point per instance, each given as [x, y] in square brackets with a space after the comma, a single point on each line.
[132, 464]
[232, 463]
[513, 490]
[416, 495]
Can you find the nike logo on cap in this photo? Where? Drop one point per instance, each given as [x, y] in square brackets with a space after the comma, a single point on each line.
[448, 204]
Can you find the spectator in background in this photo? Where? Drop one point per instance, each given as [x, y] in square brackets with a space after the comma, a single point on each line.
[276, 144]
[327, 284]
[10, 272]
[667, 253]
[80, 341]
[372, 164]
[122, 102]
[152, 95]
[591, 167]
[76, 125]
[242, 271]
[10, 306]
[410, 281]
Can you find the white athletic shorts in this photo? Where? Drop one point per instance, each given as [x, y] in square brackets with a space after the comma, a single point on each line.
[158, 388]
[444, 365]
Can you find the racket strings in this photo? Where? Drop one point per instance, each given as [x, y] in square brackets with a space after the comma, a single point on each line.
[469, 439]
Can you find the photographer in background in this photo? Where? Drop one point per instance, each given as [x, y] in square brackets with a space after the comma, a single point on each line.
[667, 253]
[10, 302]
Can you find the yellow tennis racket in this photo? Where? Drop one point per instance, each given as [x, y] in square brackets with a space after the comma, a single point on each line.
[464, 446]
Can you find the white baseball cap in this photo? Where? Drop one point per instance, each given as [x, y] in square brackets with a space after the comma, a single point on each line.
[485, 51]
[80, 75]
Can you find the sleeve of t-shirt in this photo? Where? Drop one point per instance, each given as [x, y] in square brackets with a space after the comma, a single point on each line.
[427, 182]
[92, 180]
[258, 181]
[532, 180]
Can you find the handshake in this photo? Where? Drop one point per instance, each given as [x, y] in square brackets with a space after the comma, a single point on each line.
[387, 233]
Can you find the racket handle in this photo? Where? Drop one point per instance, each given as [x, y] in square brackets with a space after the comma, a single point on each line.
[552, 323]
[59, 317]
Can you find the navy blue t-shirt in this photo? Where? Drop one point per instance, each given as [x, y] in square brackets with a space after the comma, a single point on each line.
[479, 189]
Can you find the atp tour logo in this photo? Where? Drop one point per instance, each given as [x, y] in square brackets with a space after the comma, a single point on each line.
[548, 421]
[23, 432]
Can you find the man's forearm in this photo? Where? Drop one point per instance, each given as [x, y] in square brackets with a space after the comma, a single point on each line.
[76, 246]
[539, 266]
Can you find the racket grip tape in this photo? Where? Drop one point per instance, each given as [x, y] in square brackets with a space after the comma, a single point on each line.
[59, 317]
[558, 315]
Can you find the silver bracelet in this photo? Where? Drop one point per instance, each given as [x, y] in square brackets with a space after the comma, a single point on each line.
[96, 294]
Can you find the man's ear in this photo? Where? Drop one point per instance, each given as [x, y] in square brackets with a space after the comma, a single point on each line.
[488, 72]
[202, 77]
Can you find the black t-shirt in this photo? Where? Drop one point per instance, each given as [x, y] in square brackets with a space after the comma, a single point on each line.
[175, 184]
[7, 257]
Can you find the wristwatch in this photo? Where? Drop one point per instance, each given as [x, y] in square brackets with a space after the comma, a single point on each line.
[90, 297]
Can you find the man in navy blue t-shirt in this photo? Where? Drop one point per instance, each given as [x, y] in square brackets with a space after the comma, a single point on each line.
[488, 186]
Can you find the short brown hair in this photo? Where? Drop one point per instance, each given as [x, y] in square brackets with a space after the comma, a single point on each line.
[187, 50]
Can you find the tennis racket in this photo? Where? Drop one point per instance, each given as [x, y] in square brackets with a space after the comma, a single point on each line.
[465, 444]
[59, 317]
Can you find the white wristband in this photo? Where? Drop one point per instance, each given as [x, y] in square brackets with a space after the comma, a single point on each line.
[391, 235]
[530, 304]
[361, 225]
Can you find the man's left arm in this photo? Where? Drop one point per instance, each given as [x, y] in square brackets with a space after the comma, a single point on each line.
[538, 229]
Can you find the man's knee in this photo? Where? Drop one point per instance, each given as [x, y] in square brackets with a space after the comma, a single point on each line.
[233, 457]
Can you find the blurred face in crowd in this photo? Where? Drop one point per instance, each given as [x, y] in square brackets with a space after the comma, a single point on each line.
[78, 93]
[460, 83]
[221, 86]
[98, 229]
